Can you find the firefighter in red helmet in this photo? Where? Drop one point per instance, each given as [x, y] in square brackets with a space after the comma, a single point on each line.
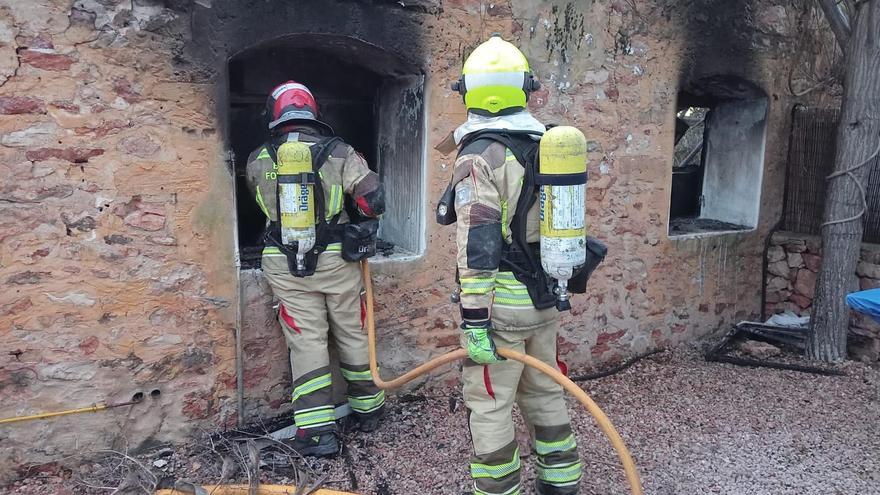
[301, 178]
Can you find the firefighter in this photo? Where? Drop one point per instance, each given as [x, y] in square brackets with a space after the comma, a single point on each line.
[502, 301]
[319, 287]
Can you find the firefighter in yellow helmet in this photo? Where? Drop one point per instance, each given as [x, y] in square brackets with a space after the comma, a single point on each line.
[505, 297]
[302, 178]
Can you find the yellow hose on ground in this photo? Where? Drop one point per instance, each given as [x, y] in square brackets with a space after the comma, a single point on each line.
[95, 408]
[629, 467]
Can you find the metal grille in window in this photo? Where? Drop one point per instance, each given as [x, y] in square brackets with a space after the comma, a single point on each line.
[810, 160]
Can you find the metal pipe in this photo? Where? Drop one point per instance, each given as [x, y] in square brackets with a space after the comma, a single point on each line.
[239, 345]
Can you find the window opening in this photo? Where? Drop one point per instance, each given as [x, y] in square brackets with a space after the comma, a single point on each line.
[718, 159]
[687, 166]
[372, 100]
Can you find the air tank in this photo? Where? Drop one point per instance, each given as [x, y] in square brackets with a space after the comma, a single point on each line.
[296, 198]
[563, 169]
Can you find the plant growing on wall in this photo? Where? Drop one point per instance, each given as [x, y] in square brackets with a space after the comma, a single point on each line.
[856, 26]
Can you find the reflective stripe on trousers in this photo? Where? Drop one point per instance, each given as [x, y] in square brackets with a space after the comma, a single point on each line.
[363, 395]
[498, 472]
[558, 463]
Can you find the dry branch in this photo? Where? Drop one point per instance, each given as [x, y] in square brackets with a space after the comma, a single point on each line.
[838, 20]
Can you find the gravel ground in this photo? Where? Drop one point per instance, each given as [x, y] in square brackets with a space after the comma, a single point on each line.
[693, 428]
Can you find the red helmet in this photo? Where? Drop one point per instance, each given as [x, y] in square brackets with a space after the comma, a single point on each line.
[292, 102]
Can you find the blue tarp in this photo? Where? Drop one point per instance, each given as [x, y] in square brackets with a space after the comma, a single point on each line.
[866, 301]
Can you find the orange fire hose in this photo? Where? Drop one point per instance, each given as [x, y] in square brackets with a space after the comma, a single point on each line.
[629, 467]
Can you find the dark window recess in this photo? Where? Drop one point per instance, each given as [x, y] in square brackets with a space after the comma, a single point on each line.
[810, 160]
[687, 163]
[718, 157]
[371, 99]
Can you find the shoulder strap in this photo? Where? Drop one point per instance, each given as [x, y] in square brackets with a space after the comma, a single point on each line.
[320, 152]
[520, 143]
[525, 149]
[527, 198]
[324, 147]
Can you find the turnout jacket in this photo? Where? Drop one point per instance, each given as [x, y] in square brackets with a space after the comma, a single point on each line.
[344, 172]
[488, 182]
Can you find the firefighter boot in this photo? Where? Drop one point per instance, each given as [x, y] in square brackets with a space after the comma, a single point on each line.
[315, 442]
[369, 422]
[543, 488]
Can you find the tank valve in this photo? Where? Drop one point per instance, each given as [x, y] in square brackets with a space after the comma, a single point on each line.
[563, 303]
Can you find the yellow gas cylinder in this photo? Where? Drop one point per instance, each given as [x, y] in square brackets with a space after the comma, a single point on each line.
[296, 198]
[563, 167]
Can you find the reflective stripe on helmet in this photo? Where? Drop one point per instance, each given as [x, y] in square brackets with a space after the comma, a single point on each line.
[287, 86]
[513, 79]
[293, 115]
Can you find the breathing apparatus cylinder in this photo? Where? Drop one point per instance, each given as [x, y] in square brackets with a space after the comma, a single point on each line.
[563, 163]
[296, 198]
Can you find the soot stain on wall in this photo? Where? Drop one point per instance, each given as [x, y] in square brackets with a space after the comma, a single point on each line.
[229, 27]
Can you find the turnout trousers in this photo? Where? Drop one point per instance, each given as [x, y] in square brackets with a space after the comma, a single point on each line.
[313, 310]
[490, 392]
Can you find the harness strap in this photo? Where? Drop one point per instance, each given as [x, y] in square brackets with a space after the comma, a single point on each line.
[303, 178]
[577, 179]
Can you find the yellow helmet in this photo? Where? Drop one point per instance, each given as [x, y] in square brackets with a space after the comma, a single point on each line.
[496, 78]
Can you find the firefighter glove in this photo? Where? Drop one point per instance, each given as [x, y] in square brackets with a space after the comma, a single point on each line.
[481, 349]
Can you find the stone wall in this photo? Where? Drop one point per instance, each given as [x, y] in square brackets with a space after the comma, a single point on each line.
[116, 206]
[793, 265]
[115, 258]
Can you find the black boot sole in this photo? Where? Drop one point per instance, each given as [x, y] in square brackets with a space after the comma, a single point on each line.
[368, 427]
[327, 450]
[372, 424]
